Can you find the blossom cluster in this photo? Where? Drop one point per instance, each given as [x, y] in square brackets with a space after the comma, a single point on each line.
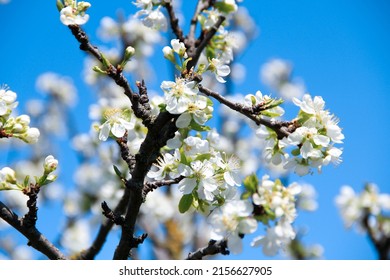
[9, 181]
[312, 142]
[265, 201]
[279, 204]
[73, 12]
[19, 126]
[369, 204]
[151, 15]
[209, 176]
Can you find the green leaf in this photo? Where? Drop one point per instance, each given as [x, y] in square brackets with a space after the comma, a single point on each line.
[246, 195]
[26, 181]
[225, 7]
[106, 63]
[162, 107]
[197, 127]
[203, 157]
[185, 203]
[59, 5]
[296, 152]
[250, 183]
[117, 171]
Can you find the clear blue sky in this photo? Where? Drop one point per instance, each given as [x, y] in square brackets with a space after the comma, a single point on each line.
[340, 49]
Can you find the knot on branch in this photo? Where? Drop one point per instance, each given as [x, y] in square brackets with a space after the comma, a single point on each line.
[29, 220]
[111, 215]
[125, 152]
[214, 247]
[151, 186]
[144, 109]
[81, 37]
[135, 241]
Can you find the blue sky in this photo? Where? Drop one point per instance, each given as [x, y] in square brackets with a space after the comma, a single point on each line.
[339, 48]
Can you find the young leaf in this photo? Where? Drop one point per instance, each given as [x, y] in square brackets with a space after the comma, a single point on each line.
[185, 203]
[250, 183]
[117, 171]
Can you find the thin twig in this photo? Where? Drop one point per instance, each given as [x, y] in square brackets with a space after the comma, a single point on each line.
[214, 247]
[174, 22]
[113, 72]
[150, 186]
[282, 129]
[205, 39]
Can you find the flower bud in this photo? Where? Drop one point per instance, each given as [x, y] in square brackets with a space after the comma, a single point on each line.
[129, 52]
[32, 135]
[50, 164]
[24, 120]
[83, 6]
[168, 54]
[9, 175]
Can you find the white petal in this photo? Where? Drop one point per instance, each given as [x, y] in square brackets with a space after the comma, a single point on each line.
[187, 185]
[223, 70]
[247, 226]
[184, 120]
[104, 131]
[235, 244]
[321, 140]
[118, 130]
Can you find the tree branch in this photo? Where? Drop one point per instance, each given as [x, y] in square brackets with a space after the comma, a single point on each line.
[281, 128]
[162, 129]
[150, 186]
[35, 239]
[204, 40]
[382, 244]
[114, 73]
[174, 22]
[104, 230]
[125, 152]
[214, 247]
[200, 7]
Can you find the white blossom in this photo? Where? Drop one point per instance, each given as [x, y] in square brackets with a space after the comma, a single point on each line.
[116, 123]
[179, 95]
[195, 145]
[7, 101]
[166, 166]
[200, 175]
[219, 69]
[276, 238]
[75, 13]
[258, 99]
[231, 220]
